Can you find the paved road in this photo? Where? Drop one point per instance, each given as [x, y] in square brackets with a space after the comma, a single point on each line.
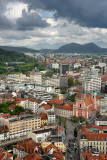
[72, 143]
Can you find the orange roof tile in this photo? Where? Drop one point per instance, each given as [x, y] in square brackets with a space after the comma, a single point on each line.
[56, 101]
[33, 156]
[68, 106]
[88, 154]
[35, 100]
[46, 106]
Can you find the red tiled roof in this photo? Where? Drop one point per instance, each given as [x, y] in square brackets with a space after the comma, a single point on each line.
[6, 115]
[46, 106]
[89, 155]
[27, 145]
[77, 90]
[68, 106]
[5, 155]
[35, 100]
[33, 156]
[55, 101]
[43, 116]
[92, 135]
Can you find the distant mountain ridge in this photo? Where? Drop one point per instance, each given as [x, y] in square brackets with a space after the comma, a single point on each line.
[79, 48]
[67, 48]
[19, 49]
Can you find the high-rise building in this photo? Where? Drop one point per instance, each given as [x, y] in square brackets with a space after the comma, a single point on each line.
[64, 68]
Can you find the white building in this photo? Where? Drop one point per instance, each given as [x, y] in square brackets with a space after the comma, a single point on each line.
[92, 83]
[36, 77]
[40, 135]
[51, 117]
[101, 121]
[77, 65]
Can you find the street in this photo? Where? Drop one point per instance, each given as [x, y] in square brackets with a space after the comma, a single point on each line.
[71, 142]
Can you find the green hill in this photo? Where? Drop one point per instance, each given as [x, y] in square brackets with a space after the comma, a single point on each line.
[19, 49]
[29, 63]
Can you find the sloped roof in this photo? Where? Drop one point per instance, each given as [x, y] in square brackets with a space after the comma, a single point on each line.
[33, 156]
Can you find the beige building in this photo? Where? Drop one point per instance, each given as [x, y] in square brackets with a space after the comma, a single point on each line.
[21, 125]
[59, 145]
[93, 136]
[36, 77]
[65, 110]
[103, 111]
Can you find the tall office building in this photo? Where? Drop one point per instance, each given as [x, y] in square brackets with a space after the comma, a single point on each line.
[64, 68]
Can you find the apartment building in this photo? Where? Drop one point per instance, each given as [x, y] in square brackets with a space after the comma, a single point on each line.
[92, 84]
[51, 117]
[22, 124]
[101, 121]
[93, 136]
[57, 82]
[31, 103]
[40, 135]
[44, 96]
[36, 77]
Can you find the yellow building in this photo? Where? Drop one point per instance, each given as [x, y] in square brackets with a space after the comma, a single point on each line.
[59, 145]
[21, 125]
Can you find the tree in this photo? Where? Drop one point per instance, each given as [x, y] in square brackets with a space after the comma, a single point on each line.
[40, 66]
[65, 123]
[72, 98]
[75, 119]
[18, 109]
[81, 119]
[70, 81]
[63, 91]
[60, 121]
[49, 74]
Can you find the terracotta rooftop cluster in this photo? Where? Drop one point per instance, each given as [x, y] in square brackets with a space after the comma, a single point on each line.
[29, 146]
[88, 155]
[90, 135]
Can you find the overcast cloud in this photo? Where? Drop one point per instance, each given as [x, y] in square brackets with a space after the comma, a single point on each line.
[51, 23]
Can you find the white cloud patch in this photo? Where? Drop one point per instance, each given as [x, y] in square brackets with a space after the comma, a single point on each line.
[14, 10]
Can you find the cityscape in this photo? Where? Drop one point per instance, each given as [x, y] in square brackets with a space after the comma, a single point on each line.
[53, 80]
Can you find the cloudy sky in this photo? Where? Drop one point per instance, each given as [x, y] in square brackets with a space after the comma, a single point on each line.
[52, 23]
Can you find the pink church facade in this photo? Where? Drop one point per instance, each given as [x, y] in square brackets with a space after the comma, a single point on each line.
[85, 106]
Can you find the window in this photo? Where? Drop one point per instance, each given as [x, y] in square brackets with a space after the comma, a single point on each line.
[80, 105]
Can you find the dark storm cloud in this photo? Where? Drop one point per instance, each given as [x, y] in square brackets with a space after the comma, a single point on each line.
[30, 20]
[89, 13]
[4, 22]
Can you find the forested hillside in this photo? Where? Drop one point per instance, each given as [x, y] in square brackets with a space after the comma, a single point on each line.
[11, 56]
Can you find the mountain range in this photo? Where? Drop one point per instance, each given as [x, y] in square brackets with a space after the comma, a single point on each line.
[67, 48]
